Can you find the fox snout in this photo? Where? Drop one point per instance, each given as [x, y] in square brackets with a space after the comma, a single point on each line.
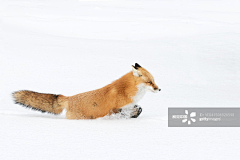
[156, 89]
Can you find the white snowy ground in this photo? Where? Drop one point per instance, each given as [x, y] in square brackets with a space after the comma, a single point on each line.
[192, 48]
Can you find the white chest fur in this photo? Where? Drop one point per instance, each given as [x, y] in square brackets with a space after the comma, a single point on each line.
[142, 89]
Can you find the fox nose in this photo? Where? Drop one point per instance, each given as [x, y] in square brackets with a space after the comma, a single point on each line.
[159, 89]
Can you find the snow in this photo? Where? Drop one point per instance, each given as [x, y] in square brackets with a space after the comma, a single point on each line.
[68, 47]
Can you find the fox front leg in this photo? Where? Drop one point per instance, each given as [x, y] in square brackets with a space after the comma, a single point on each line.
[129, 113]
[137, 110]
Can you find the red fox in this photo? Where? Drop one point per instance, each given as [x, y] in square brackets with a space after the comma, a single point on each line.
[122, 94]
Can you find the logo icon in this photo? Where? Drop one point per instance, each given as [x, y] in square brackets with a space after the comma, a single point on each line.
[189, 118]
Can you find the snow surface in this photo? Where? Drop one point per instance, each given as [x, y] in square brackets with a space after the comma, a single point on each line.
[192, 48]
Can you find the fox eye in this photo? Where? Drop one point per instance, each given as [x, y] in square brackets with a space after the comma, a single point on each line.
[149, 82]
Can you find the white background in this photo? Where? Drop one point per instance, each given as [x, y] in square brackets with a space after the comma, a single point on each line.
[192, 48]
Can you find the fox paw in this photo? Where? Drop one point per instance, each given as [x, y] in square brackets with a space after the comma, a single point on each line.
[138, 111]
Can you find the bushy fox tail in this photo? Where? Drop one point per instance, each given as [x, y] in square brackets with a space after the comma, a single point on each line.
[42, 102]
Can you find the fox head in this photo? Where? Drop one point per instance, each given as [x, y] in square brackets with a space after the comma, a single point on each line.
[144, 77]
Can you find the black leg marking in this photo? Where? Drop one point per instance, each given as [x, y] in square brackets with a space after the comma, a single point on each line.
[139, 111]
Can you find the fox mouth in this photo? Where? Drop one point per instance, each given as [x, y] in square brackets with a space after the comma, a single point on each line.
[156, 90]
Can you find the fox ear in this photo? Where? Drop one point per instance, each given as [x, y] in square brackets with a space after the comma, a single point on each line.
[137, 66]
[136, 72]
